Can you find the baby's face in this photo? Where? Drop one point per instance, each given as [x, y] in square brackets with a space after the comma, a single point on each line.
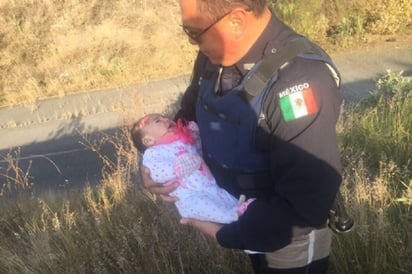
[158, 127]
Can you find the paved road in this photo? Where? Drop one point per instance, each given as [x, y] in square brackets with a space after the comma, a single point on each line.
[50, 135]
[53, 138]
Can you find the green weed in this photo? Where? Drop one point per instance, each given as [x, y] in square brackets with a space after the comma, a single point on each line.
[375, 138]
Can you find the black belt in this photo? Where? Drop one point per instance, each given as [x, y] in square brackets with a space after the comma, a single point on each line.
[255, 184]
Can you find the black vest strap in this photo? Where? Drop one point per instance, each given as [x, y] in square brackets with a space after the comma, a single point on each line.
[274, 61]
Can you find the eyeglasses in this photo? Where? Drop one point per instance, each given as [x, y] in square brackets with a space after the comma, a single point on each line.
[195, 35]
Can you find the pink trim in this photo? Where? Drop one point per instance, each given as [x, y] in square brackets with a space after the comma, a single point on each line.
[240, 209]
[182, 133]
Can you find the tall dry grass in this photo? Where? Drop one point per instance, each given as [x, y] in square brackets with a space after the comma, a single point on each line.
[341, 24]
[51, 48]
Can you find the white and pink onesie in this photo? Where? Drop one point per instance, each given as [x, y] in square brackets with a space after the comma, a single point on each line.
[178, 159]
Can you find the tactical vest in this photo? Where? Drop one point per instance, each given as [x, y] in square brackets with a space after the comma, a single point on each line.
[228, 123]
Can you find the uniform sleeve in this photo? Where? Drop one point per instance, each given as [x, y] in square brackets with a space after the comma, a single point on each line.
[301, 112]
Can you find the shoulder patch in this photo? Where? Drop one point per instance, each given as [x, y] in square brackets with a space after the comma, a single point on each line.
[298, 103]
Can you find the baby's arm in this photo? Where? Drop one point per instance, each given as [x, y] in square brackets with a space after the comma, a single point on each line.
[160, 164]
[165, 166]
[186, 163]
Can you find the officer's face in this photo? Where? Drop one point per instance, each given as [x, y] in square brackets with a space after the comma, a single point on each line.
[214, 37]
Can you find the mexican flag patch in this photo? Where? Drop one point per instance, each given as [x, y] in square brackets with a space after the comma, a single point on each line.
[298, 104]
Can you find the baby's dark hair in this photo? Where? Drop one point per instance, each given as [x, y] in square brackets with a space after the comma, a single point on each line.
[137, 134]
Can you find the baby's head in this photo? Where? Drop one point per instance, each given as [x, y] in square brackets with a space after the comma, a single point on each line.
[150, 129]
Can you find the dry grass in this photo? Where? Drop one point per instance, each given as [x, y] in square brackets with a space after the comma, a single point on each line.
[51, 47]
[339, 25]
[375, 139]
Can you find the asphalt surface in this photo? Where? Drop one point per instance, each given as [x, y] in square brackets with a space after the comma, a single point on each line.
[57, 139]
[52, 138]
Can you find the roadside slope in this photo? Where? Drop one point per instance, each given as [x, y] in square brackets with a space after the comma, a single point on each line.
[106, 109]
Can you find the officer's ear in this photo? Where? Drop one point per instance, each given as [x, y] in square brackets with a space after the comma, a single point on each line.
[238, 19]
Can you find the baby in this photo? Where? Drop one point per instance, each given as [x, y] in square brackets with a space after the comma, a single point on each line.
[172, 152]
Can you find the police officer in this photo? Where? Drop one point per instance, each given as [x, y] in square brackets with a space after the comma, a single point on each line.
[267, 129]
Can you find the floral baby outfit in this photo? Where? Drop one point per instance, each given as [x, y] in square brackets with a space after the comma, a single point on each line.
[178, 159]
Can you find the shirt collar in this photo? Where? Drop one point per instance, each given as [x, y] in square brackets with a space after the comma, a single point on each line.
[260, 47]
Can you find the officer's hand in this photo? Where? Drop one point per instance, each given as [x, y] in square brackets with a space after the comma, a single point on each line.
[159, 189]
[207, 228]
